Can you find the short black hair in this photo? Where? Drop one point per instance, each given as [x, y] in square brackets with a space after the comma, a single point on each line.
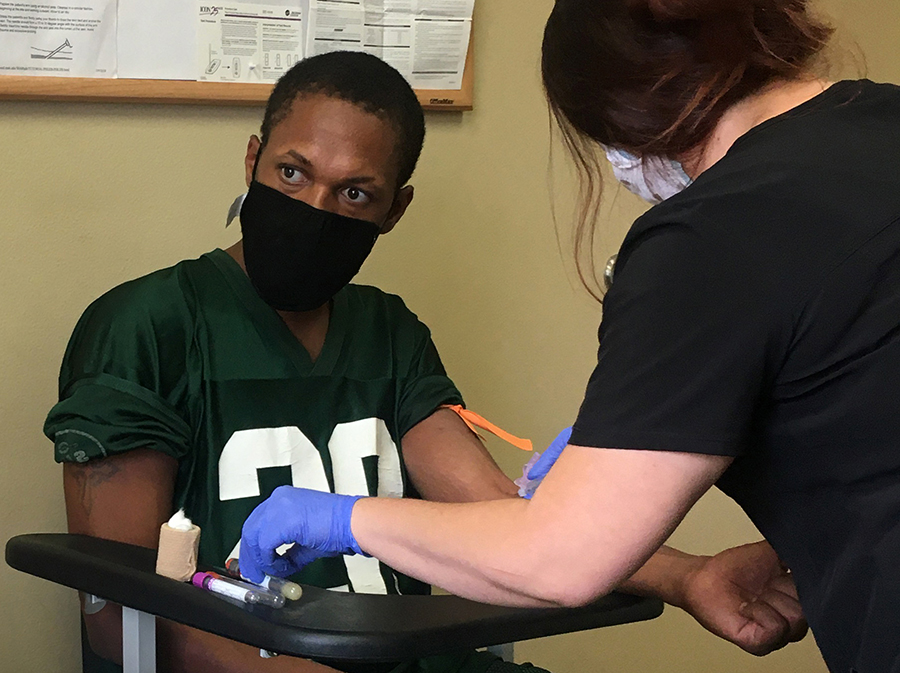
[363, 80]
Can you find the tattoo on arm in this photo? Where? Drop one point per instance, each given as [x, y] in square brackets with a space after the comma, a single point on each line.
[88, 476]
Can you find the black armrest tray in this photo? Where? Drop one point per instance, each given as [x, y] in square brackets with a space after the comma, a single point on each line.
[322, 624]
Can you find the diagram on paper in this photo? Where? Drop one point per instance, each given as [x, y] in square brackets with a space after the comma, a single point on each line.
[62, 53]
[42, 37]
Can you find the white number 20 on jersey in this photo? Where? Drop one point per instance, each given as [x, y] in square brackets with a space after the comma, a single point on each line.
[250, 450]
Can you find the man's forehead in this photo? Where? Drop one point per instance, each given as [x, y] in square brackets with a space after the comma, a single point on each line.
[319, 125]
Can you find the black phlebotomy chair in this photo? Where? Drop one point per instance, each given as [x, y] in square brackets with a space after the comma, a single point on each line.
[335, 628]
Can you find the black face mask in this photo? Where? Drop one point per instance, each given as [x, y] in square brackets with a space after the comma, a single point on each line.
[298, 256]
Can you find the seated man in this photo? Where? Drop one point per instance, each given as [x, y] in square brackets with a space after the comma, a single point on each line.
[207, 385]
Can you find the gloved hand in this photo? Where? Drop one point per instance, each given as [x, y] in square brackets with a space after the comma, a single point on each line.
[533, 477]
[317, 523]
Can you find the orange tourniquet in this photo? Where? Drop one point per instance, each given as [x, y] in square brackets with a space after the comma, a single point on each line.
[472, 419]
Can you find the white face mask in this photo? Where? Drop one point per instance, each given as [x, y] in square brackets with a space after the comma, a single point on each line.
[652, 178]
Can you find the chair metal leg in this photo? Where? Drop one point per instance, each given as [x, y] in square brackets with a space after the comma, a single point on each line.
[138, 641]
[505, 652]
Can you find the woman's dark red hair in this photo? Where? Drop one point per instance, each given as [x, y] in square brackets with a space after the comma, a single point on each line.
[655, 77]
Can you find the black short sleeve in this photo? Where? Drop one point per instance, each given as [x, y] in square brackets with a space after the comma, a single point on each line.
[684, 345]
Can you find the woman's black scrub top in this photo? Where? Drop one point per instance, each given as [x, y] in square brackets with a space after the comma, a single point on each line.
[757, 315]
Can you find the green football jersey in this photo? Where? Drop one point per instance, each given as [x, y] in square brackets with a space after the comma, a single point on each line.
[191, 362]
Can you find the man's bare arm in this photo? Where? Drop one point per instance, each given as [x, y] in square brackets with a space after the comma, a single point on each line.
[448, 463]
[743, 594]
[127, 498]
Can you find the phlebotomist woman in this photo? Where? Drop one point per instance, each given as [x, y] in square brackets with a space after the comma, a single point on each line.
[750, 337]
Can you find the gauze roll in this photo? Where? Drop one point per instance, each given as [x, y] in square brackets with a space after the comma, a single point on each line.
[179, 540]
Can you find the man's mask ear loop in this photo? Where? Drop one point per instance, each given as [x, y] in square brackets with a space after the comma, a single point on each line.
[259, 152]
[384, 224]
[235, 210]
[393, 203]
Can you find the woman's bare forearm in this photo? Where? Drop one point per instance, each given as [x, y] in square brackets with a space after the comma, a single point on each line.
[593, 523]
[471, 551]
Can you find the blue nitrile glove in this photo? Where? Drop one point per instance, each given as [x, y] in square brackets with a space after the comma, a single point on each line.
[317, 523]
[540, 469]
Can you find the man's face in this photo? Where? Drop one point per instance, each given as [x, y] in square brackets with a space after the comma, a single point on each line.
[333, 156]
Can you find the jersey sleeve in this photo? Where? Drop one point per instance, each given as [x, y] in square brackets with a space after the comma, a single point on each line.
[688, 343]
[423, 385]
[124, 376]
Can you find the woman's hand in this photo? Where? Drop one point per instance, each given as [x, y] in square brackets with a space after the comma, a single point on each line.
[317, 523]
[535, 474]
[746, 596]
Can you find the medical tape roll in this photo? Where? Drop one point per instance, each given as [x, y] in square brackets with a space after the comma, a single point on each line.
[178, 547]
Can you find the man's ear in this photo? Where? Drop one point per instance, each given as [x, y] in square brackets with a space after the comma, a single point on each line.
[398, 208]
[253, 147]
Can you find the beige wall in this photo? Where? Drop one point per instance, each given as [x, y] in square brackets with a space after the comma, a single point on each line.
[93, 194]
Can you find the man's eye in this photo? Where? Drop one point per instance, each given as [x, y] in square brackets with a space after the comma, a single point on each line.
[356, 195]
[291, 175]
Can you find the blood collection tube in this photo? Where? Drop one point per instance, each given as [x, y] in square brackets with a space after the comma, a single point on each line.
[288, 589]
[266, 596]
[241, 591]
